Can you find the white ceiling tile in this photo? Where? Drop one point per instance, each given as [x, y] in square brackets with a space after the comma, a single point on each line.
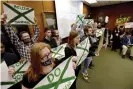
[103, 3]
[95, 5]
[115, 2]
[106, 2]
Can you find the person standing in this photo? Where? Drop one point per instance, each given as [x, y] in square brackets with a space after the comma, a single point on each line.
[25, 42]
[73, 41]
[116, 39]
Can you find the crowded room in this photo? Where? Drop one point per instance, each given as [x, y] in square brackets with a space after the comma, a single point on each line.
[66, 44]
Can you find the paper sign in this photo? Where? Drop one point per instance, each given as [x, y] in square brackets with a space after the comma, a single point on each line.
[17, 14]
[61, 77]
[99, 32]
[58, 52]
[6, 79]
[82, 50]
[80, 19]
[129, 25]
[19, 67]
[88, 21]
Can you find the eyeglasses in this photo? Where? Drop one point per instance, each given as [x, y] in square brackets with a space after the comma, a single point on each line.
[48, 56]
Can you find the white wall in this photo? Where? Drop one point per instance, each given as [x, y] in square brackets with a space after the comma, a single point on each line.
[66, 12]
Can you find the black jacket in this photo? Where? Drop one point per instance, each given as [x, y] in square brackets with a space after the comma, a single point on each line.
[9, 58]
[94, 46]
[51, 42]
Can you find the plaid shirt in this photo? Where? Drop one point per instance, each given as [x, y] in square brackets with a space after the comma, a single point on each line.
[23, 49]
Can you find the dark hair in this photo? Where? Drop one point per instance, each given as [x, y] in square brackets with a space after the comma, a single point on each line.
[86, 28]
[121, 26]
[22, 32]
[47, 29]
[53, 33]
[128, 33]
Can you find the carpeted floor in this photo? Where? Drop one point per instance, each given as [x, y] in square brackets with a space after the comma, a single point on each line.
[110, 72]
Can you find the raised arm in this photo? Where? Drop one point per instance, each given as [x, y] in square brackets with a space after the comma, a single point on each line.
[36, 34]
[15, 40]
[13, 37]
[36, 30]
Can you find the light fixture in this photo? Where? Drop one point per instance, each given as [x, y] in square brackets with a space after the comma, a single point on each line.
[91, 1]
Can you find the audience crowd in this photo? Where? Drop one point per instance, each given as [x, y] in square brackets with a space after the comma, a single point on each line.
[20, 46]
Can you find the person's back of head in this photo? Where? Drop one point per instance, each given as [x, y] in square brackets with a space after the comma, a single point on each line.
[128, 34]
[73, 26]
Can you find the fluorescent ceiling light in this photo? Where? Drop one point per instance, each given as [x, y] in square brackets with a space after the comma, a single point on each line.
[91, 1]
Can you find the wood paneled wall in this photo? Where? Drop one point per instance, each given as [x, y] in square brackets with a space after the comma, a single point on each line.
[40, 7]
[114, 12]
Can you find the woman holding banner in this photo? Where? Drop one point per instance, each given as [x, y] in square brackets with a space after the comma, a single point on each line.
[41, 64]
[73, 40]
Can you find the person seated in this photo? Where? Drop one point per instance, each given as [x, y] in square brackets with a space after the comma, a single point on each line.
[127, 43]
[57, 37]
[9, 58]
[49, 39]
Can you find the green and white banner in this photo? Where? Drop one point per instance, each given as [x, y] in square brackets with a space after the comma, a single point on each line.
[61, 77]
[99, 32]
[82, 50]
[17, 14]
[80, 19]
[58, 52]
[88, 21]
[20, 67]
[7, 80]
